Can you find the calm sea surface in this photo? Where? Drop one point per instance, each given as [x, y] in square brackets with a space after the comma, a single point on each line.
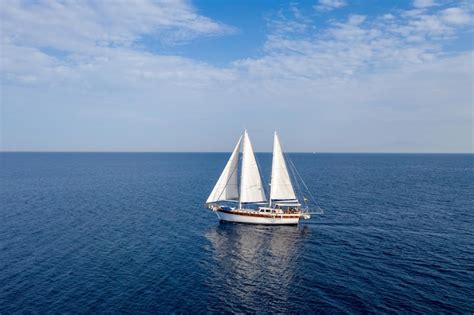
[124, 232]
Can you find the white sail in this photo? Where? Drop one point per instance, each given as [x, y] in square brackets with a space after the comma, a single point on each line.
[226, 187]
[281, 187]
[251, 188]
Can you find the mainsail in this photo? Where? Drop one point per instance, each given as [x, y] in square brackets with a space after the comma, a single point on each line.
[281, 187]
[226, 187]
[251, 188]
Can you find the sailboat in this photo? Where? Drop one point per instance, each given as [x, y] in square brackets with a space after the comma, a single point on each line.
[243, 187]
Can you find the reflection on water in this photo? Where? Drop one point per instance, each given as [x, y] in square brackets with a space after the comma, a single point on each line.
[254, 264]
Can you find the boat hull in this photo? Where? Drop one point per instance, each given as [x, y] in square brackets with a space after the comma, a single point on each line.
[256, 218]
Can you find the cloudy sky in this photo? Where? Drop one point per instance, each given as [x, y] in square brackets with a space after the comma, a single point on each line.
[330, 75]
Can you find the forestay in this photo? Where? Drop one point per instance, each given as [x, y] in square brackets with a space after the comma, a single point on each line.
[226, 187]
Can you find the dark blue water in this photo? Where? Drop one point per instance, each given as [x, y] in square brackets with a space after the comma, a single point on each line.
[118, 232]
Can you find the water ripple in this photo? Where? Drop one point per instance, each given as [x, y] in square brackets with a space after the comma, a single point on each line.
[123, 233]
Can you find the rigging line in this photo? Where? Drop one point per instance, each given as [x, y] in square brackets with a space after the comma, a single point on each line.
[304, 184]
[313, 199]
[293, 168]
[295, 179]
[301, 191]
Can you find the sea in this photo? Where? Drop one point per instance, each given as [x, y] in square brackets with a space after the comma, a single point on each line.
[87, 233]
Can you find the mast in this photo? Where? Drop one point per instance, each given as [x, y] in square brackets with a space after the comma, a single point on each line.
[281, 187]
[242, 169]
[251, 188]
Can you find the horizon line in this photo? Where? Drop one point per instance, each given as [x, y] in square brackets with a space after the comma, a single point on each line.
[204, 152]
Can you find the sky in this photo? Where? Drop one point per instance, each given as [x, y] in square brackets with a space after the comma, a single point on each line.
[329, 75]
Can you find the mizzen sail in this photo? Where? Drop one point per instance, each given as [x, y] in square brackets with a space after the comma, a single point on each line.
[281, 187]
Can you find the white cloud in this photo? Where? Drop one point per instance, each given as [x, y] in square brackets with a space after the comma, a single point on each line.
[328, 5]
[456, 16]
[350, 80]
[443, 24]
[424, 3]
[80, 25]
[356, 19]
[340, 50]
[347, 49]
[91, 36]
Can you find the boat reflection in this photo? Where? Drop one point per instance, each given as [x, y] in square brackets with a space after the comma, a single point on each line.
[255, 264]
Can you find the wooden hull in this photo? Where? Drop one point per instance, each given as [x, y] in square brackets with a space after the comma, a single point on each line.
[252, 217]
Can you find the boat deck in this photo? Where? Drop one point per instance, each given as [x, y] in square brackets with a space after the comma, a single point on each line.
[256, 213]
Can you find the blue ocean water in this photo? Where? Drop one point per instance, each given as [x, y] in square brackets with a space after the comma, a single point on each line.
[126, 232]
